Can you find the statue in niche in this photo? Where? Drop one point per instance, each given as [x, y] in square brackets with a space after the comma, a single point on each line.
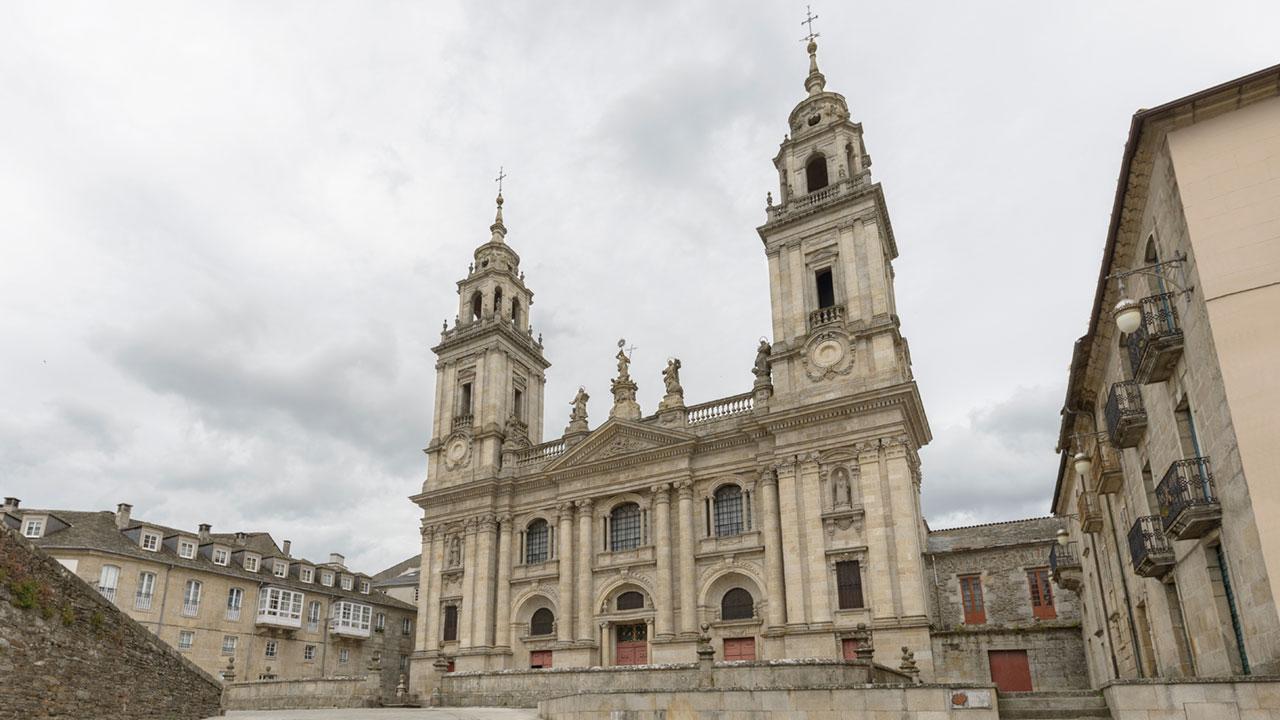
[455, 552]
[671, 377]
[579, 412]
[764, 366]
[841, 488]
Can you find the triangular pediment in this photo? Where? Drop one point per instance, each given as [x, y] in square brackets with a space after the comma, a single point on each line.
[618, 439]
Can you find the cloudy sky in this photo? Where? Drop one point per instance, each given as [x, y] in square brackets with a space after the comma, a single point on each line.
[230, 231]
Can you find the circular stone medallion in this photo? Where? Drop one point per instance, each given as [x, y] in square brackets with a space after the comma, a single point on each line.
[827, 353]
[457, 451]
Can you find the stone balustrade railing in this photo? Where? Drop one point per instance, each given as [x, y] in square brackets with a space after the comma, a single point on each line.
[540, 453]
[826, 316]
[717, 409]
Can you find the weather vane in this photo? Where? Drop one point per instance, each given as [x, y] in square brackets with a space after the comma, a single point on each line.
[808, 20]
[501, 176]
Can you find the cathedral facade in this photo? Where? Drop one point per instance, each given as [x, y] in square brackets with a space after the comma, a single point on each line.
[777, 522]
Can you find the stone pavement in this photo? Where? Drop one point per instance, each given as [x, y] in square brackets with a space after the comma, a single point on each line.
[471, 713]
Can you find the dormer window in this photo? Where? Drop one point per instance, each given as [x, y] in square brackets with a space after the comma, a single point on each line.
[251, 563]
[186, 549]
[815, 173]
[33, 527]
[326, 578]
[306, 574]
[347, 582]
[150, 541]
[221, 557]
[280, 569]
[364, 586]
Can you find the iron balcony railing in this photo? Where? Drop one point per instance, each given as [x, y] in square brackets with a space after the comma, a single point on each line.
[1157, 343]
[142, 601]
[1126, 415]
[1061, 558]
[233, 613]
[190, 609]
[1149, 547]
[108, 593]
[1188, 499]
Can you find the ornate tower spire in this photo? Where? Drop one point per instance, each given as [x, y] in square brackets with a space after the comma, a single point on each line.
[816, 82]
[499, 229]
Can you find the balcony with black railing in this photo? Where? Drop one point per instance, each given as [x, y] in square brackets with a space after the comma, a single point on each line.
[1089, 510]
[1154, 348]
[1126, 415]
[1149, 547]
[1189, 504]
[1065, 568]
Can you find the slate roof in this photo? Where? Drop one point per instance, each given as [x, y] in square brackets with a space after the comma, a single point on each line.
[1013, 532]
[407, 567]
[98, 531]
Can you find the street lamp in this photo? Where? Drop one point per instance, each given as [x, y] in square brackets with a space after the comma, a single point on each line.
[1082, 463]
[1128, 315]
[1063, 537]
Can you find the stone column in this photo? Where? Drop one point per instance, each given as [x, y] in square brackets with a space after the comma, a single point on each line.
[502, 603]
[908, 558]
[482, 613]
[877, 580]
[426, 570]
[466, 612]
[771, 531]
[790, 523]
[564, 561]
[432, 598]
[586, 533]
[665, 601]
[818, 584]
[688, 593]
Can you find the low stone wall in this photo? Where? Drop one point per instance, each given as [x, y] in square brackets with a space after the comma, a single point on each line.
[65, 651]
[1233, 698]
[918, 702]
[301, 694]
[525, 688]
[1055, 653]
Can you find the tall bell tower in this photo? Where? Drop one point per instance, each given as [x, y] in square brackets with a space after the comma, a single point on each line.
[830, 249]
[490, 372]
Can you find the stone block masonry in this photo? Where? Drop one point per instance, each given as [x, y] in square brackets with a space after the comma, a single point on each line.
[67, 652]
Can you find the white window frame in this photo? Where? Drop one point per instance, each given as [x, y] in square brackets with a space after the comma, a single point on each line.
[344, 655]
[186, 639]
[146, 590]
[406, 626]
[33, 527]
[380, 623]
[348, 614]
[348, 582]
[280, 569]
[313, 611]
[186, 549]
[191, 600]
[326, 578]
[306, 574]
[251, 563]
[364, 587]
[108, 581]
[280, 603]
[270, 649]
[229, 643]
[309, 653]
[221, 557]
[153, 545]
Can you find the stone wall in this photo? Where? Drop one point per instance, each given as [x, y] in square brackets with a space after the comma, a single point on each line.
[525, 688]
[1056, 655]
[350, 692]
[1239, 698]
[903, 703]
[67, 652]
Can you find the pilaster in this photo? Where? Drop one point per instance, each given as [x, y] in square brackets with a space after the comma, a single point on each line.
[903, 505]
[775, 589]
[468, 609]
[564, 561]
[688, 593]
[426, 572]
[792, 545]
[502, 602]
[817, 582]
[432, 598]
[664, 628]
[586, 533]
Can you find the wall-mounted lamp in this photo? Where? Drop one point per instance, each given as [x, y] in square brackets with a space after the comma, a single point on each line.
[1128, 312]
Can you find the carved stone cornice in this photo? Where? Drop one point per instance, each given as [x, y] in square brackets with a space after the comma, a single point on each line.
[661, 493]
[565, 510]
[768, 477]
[584, 507]
[487, 522]
[685, 488]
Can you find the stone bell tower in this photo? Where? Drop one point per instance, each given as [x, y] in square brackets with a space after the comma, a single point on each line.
[830, 247]
[490, 371]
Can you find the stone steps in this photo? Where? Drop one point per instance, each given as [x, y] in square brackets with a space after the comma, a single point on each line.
[1053, 705]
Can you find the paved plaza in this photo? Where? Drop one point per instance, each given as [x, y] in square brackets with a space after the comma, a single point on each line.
[472, 713]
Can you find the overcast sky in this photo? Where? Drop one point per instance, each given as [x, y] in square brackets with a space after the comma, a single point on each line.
[230, 232]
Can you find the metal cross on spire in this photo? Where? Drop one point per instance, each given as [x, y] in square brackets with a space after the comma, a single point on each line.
[808, 20]
[501, 176]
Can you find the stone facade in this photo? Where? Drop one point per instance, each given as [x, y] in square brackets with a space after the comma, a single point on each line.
[213, 630]
[67, 652]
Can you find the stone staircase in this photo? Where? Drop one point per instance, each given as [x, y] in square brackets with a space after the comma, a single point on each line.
[1053, 705]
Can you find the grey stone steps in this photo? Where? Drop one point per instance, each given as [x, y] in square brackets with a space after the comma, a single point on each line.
[1053, 705]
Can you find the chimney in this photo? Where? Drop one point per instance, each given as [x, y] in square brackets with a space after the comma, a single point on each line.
[122, 515]
[287, 545]
[205, 534]
[11, 503]
[336, 559]
[240, 536]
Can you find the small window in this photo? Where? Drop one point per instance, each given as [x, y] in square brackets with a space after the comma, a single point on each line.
[364, 586]
[346, 582]
[539, 659]
[280, 569]
[306, 574]
[1041, 594]
[406, 626]
[251, 563]
[849, 584]
[309, 652]
[542, 623]
[108, 580]
[450, 623]
[186, 638]
[313, 612]
[229, 644]
[975, 612]
[326, 578]
[477, 305]
[221, 557]
[737, 605]
[515, 311]
[815, 173]
[728, 505]
[625, 525]
[517, 404]
[191, 598]
[344, 655]
[380, 623]
[235, 599]
[270, 649]
[631, 600]
[826, 288]
[186, 549]
[464, 404]
[535, 542]
[33, 528]
[150, 542]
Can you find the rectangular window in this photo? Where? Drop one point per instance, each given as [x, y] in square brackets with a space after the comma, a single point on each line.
[251, 563]
[364, 586]
[306, 574]
[517, 404]
[849, 584]
[108, 580]
[381, 623]
[146, 590]
[150, 542]
[280, 603]
[186, 549]
[346, 582]
[221, 557]
[280, 569]
[739, 649]
[235, 600]
[191, 598]
[540, 659]
[975, 612]
[344, 655]
[309, 652]
[33, 528]
[270, 649]
[464, 407]
[186, 638]
[1041, 594]
[406, 626]
[450, 623]
[229, 644]
[326, 578]
[351, 616]
[826, 288]
[313, 612]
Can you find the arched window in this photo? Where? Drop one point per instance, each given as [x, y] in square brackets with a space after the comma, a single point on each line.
[728, 507]
[631, 600]
[737, 605]
[624, 522]
[535, 542]
[815, 173]
[515, 311]
[542, 623]
[497, 302]
[477, 304]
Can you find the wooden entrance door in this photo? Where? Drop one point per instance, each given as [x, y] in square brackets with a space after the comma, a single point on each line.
[849, 648]
[740, 648]
[632, 644]
[1010, 670]
[540, 659]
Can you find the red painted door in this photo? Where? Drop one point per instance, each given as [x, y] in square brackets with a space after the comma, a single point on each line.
[740, 648]
[632, 646]
[1010, 670]
[849, 648]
